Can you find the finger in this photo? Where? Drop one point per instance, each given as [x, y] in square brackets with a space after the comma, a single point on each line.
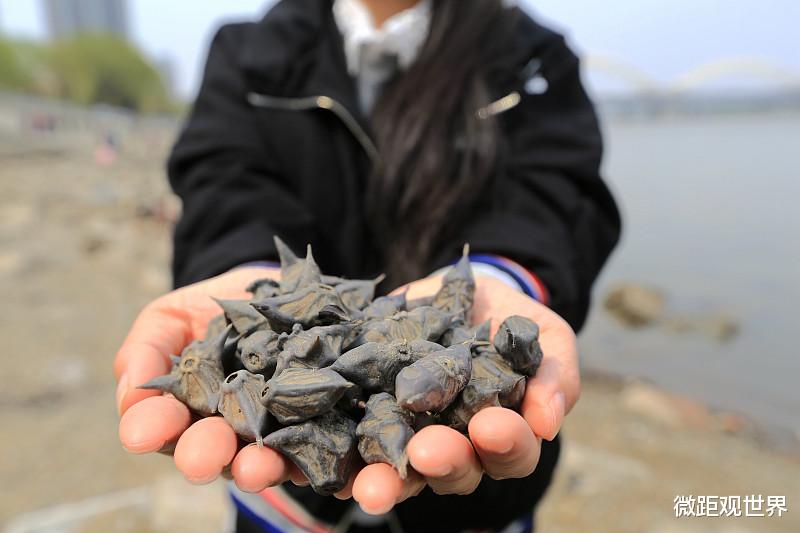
[446, 458]
[544, 403]
[157, 330]
[153, 424]
[297, 476]
[147, 364]
[256, 468]
[205, 449]
[420, 288]
[144, 354]
[504, 443]
[378, 488]
[347, 492]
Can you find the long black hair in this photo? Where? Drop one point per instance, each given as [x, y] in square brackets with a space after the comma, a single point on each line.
[437, 154]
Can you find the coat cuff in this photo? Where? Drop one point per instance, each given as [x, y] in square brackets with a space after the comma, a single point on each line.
[528, 282]
[509, 272]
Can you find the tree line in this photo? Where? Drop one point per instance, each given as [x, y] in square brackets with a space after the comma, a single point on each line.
[86, 69]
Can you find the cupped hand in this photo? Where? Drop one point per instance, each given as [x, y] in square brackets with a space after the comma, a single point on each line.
[501, 443]
[152, 422]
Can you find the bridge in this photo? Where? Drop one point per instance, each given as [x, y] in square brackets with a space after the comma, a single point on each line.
[742, 69]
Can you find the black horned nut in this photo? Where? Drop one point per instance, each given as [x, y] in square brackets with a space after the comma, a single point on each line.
[264, 288]
[316, 347]
[215, 326]
[312, 305]
[497, 371]
[240, 405]
[374, 366]
[427, 323]
[479, 394]
[517, 340]
[259, 351]
[333, 372]
[297, 394]
[296, 273]
[384, 432]
[384, 306]
[323, 448]
[432, 383]
[357, 294]
[457, 292]
[241, 315]
[196, 375]
[460, 334]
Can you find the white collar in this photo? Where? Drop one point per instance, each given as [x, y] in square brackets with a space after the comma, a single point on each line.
[401, 35]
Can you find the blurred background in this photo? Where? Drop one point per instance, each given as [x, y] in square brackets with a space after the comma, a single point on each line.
[689, 357]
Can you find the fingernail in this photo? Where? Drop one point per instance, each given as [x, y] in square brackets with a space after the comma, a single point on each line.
[122, 389]
[442, 471]
[201, 480]
[505, 446]
[558, 406]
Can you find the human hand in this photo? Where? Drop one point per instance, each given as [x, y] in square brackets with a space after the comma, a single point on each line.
[152, 422]
[505, 444]
[501, 443]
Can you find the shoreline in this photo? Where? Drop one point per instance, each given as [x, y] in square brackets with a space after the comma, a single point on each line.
[646, 398]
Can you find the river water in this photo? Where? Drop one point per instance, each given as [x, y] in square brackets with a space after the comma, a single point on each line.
[711, 216]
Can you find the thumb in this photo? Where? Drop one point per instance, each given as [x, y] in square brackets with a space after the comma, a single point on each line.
[545, 402]
[145, 364]
[155, 335]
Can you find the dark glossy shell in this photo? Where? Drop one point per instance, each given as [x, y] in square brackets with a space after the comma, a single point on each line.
[478, 394]
[259, 351]
[461, 334]
[357, 294]
[432, 383]
[264, 288]
[215, 326]
[374, 366]
[240, 404]
[241, 315]
[312, 305]
[317, 347]
[384, 432]
[427, 323]
[517, 340]
[323, 448]
[297, 394]
[496, 370]
[196, 376]
[458, 288]
[385, 306]
[296, 273]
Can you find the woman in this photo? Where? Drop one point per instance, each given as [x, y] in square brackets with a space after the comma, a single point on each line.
[386, 133]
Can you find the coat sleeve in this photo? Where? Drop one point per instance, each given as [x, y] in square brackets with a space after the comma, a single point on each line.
[549, 209]
[234, 199]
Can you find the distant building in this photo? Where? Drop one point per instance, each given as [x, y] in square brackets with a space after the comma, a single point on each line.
[66, 17]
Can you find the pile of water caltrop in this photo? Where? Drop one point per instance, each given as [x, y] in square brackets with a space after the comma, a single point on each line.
[316, 367]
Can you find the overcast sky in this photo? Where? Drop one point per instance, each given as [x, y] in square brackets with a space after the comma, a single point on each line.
[659, 39]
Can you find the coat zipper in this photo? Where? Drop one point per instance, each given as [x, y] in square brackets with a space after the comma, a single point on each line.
[319, 102]
[500, 105]
[512, 99]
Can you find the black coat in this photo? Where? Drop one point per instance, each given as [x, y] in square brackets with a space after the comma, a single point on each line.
[263, 154]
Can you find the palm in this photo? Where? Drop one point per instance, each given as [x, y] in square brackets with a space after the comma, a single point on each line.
[502, 443]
